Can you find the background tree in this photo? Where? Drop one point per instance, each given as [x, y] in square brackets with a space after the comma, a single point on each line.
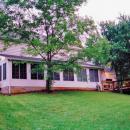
[118, 34]
[48, 28]
[98, 50]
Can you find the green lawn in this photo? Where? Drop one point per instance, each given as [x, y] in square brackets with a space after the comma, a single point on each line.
[65, 111]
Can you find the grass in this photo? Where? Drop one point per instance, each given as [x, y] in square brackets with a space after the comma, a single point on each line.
[65, 111]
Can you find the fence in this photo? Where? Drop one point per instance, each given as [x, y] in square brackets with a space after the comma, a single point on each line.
[114, 85]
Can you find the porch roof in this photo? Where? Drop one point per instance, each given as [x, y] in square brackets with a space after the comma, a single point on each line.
[32, 59]
[13, 57]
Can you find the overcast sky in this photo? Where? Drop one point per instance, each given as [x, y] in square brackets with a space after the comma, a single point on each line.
[105, 9]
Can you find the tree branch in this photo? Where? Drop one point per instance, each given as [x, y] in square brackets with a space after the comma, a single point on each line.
[39, 52]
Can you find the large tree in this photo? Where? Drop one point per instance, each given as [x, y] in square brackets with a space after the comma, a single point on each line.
[48, 28]
[98, 50]
[118, 34]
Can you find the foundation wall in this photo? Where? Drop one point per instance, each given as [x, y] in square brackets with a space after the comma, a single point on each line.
[18, 90]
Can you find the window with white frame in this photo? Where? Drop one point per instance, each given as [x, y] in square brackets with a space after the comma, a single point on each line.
[19, 70]
[82, 75]
[93, 73]
[68, 75]
[36, 72]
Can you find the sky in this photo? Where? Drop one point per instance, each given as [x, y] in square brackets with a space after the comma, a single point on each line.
[101, 10]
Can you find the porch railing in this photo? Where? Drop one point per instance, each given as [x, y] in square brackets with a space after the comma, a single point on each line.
[114, 85]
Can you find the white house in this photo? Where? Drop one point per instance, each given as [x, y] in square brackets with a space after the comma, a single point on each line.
[17, 77]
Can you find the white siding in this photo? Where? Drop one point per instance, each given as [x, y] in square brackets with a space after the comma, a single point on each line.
[5, 83]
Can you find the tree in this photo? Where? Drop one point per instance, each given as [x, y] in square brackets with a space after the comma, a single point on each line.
[48, 28]
[98, 50]
[118, 34]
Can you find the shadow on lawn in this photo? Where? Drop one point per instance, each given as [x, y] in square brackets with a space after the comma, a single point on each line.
[124, 91]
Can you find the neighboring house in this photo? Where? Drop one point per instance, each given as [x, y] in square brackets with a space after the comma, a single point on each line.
[17, 77]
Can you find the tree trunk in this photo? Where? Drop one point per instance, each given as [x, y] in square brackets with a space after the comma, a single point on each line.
[118, 79]
[48, 86]
[120, 82]
[49, 79]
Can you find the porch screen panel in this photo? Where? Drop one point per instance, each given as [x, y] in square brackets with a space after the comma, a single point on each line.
[40, 72]
[33, 71]
[15, 71]
[68, 75]
[4, 71]
[71, 75]
[23, 71]
[55, 76]
[96, 76]
[36, 72]
[93, 75]
[19, 70]
[82, 75]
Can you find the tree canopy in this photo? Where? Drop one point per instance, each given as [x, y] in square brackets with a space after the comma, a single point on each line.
[118, 34]
[98, 50]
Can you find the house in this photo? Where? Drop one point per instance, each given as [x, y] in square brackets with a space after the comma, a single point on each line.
[17, 76]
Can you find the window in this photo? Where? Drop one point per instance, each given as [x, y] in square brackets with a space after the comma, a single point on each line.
[4, 71]
[94, 75]
[15, 71]
[23, 71]
[68, 75]
[19, 71]
[0, 73]
[55, 76]
[36, 72]
[82, 75]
